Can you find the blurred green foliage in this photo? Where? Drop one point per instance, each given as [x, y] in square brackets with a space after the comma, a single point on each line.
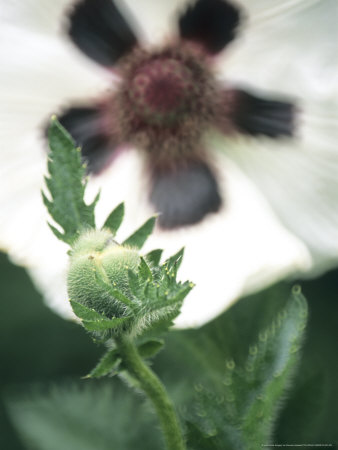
[43, 357]
[36, 345]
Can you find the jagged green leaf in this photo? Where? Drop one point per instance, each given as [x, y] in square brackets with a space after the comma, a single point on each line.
[111, 290]
[175, 260]
[144, 271]
[108, 364]
[56, 232]
[160, 307]
[179, 294]
[243, 413]
[162, 311]
[273, 363]
[104, 324]
[154, 257]
[118, 295]
[159, 297]
[66, 186]
[150, 348]
[115, 219]
[160, 324]
[134, 284]
[151, 292]
[138, 238]
[85, 313]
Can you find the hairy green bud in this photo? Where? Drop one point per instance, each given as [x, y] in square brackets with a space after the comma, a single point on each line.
[97, 259]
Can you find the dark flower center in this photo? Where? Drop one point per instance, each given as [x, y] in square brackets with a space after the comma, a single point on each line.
[159, 89]
[165, 101]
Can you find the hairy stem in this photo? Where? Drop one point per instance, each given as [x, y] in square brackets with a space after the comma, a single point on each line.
[155, 391]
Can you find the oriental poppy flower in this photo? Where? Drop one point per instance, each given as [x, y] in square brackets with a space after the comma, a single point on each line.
[194, 124]
[166, 99]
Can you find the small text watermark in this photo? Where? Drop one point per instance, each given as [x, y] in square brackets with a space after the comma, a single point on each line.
[297, 445]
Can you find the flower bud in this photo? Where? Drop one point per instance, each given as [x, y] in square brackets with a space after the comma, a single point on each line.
[96, 260]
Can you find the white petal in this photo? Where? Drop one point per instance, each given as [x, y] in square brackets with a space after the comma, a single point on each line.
[299, 179]
[158, 19]
[287, 47]
[46, 68]
[41, 16]
[265, 10]
[290, 48]
[40, 75]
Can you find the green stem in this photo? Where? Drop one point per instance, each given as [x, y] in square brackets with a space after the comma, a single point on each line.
[156, 392]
